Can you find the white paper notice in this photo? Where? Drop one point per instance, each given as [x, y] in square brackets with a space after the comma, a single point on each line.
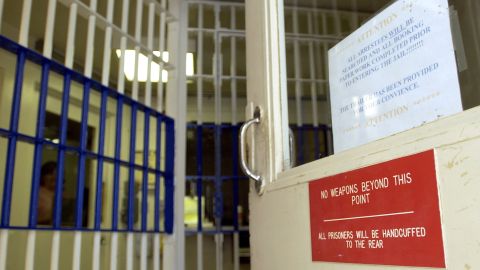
[396, 72]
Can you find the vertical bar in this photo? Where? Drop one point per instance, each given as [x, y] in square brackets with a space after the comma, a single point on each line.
[236, 250]
[156, 240]
[101, 150]
[316, 141]
[158, 147]
[37, 163]
[129, 254]
[336, 18]
[114, 251]
[313, 87]
[47, 46]
[327, 141]
[355, 20]
[148, 87]
[123, 46]
[169, 175]
[175, 106]
[199, 131]
[233, 67]
[138, 38]
[77, 242]
[143, 251]
[77, 250]
[1, 20]
[472, 8]
[156, 251]
[218, 198]
[116, 169]
[235, 154]
[30, 250]
[236, 195]
[97, 238]
[298, 71]
[313, 84]
[12, 141]
[146, 150]
[298, 87]
[161, 42]
[301, 145]
[3, 248]
[55, 254]
[233, 72]
[90, 39]
[218, 132]
[72, 22]
[324, 46]
[25, 22]
[57, 209]
[200, 66]
[199, 154]
[82, 157]
[200, 251]
[99, 184]
[131, 189]
[219, 250]
[131, 175]
[107, 46]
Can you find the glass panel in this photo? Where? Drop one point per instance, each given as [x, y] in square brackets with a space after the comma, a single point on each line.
[328, 22]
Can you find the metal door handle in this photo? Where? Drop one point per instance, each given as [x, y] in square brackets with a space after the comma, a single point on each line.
[259, 182]
[243, 133]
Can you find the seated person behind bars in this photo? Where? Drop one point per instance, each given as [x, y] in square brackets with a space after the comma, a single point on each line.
[46, 193]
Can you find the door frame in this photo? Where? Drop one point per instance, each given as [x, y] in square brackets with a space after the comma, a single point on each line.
[267, 86]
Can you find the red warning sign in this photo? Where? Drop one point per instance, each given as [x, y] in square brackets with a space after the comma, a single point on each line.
[382, 214]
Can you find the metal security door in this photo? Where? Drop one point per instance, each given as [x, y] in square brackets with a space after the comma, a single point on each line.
[279, 196]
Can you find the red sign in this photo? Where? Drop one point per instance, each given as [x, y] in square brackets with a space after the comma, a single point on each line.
[382, 214]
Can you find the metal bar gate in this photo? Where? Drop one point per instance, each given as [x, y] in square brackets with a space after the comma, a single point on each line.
[162, 173]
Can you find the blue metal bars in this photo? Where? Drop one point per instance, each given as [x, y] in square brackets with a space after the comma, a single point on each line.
[42, 104]
[86, 156]
[219, 168]
[307, 136]
[216, 169]
[12, 141]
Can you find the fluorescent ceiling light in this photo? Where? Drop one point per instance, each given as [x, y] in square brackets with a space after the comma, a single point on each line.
[129, 67]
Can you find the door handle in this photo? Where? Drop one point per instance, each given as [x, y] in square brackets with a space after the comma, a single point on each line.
[259, 181]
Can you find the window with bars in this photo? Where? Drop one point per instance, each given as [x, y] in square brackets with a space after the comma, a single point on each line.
[96, 133]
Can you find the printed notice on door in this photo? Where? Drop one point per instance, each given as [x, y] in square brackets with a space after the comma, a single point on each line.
[396, 72]
[384, 214]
